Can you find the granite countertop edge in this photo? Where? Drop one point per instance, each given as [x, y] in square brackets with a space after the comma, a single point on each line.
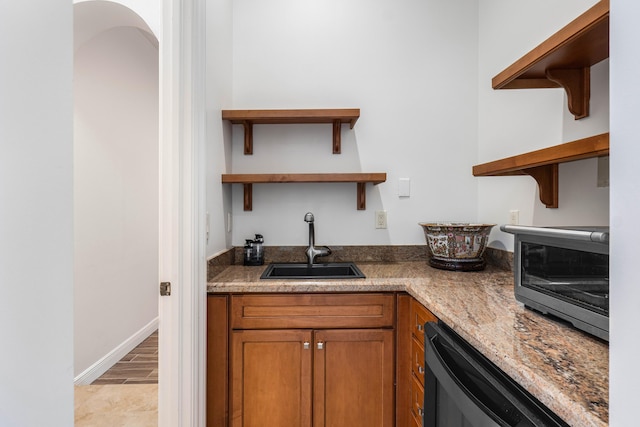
[565, 369]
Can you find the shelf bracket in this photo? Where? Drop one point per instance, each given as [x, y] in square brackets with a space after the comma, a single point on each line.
[577, 84]
[248, 197]
[547, 178]
[336, 136]
[362, 196]
[248, 138]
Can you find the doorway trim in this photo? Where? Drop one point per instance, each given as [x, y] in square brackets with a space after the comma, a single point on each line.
[182, 349]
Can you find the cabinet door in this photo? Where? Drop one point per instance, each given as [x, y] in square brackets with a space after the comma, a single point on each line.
[353, 378]
[217, 361]
[271, 381]
[403, 361]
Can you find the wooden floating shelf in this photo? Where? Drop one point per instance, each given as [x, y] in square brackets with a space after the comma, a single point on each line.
[542, 164]
[564, 60]
[249, 179]
[247, 118]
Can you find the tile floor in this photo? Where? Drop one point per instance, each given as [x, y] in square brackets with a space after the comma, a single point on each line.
[140, 366]
[124, 396]
[131, 405]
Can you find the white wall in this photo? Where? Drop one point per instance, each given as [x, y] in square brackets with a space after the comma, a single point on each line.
[149, 11]
[513, 122]
[36, 213]
[115, 191]
[409, 65]
[218, 96]
[625, 211]
[415, 112]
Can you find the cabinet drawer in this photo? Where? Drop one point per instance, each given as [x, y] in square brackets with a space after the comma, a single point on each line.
[312, 311]
[417, 399]
[420, 316]
[417, 362]
[416, 422]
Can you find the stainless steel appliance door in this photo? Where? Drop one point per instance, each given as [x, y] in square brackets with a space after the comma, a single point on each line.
[577, 277]
[565, 273]
[464, 389]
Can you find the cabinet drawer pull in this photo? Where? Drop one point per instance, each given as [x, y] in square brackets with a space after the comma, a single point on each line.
[306, 345]
[320, 345]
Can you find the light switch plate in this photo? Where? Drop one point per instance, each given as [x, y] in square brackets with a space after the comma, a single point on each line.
[404, 187]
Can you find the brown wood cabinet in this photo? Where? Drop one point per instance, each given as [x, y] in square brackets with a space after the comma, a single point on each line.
[303, 360]
[289, 311]
[217, 361]
[419, 316]
[354, 378]
[315, 360]
[410, 367]
[271, 378]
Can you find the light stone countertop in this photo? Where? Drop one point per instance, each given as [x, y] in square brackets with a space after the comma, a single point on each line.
[565, 369]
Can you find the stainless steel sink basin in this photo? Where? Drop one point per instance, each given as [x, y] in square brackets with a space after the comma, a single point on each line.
[335, 270]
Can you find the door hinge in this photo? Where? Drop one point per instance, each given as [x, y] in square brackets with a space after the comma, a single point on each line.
[165, 289]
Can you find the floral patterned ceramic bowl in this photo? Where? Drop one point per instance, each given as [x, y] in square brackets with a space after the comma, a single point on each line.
[457, 245]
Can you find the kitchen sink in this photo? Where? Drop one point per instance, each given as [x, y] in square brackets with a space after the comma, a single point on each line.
[334, 270]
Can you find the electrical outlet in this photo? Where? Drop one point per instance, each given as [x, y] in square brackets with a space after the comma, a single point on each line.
[514, 217]
[381, 219]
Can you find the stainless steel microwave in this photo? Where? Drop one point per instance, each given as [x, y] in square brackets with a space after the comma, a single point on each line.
[564, 272]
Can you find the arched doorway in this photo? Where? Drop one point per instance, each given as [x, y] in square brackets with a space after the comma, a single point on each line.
[116, 87]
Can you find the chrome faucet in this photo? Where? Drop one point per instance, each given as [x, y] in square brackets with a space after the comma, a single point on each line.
[313, 252]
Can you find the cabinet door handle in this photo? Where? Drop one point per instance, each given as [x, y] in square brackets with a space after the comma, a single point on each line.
[320, 345]
[420, 369]
[419, 327]
[420, 411]
[306, 345]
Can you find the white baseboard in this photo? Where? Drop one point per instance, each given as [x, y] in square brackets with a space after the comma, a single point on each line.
[107, 361]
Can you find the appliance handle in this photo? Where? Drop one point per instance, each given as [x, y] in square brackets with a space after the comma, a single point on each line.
[484, 394]
[583, 235]
[467, 403]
